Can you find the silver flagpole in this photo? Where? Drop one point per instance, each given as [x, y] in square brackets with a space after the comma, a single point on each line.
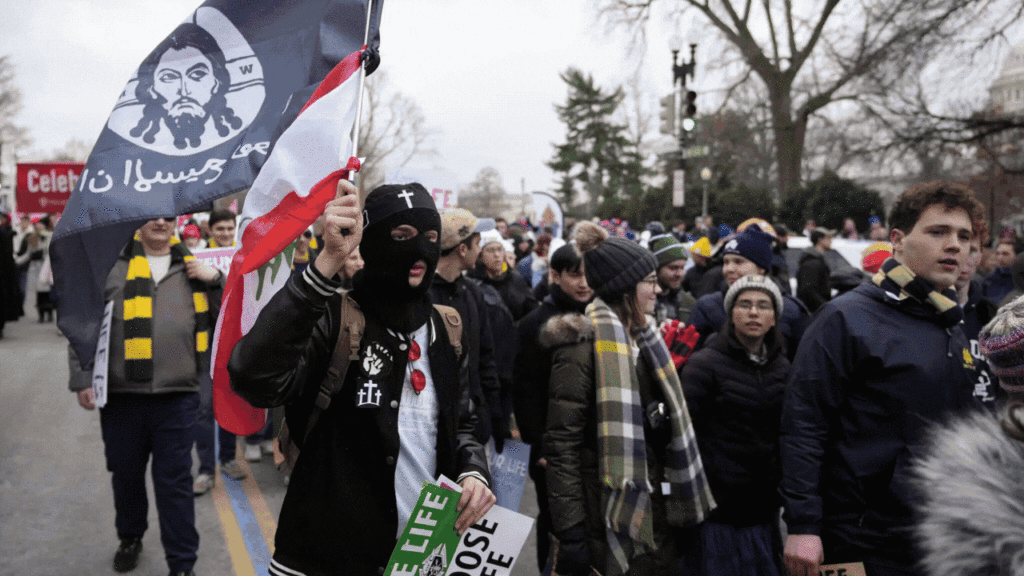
[362, 87]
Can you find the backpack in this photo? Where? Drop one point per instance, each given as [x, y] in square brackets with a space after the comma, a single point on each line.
[346, 350]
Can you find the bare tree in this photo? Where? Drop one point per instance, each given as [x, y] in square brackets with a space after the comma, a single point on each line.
[809, 55]
[73, 150]
[11, 135]
[393, 132]
[13, 138]
[485, 195]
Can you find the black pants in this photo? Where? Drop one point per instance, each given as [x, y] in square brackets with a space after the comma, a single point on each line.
[539, 475]
[134, 427]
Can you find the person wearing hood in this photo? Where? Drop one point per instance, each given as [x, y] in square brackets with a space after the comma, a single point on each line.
[875, 367]
[734, 388]
[812, 286]
[1017, 274]
[403, 415]
[568, 293]
[626, 484]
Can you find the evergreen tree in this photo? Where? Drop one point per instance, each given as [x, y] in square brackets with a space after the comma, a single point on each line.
[829, 200]
[597, 157]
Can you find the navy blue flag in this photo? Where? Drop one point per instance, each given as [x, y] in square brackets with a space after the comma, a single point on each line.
[195, 123]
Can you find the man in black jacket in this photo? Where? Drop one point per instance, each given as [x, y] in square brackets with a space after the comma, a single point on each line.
[812, 287]
[460, 249]
[403, 414]
[875, 367]
[568, 293]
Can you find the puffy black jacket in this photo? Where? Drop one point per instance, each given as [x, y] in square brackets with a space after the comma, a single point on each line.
[736, 406]
[708, 316]
[339, 515]
[870, 373]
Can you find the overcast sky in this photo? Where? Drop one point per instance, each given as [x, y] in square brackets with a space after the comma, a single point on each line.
[486, 74]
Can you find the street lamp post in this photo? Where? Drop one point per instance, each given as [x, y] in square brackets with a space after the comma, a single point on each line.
[705, 175]
[680, 70]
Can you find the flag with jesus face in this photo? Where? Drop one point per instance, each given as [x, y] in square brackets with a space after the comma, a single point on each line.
[196, 122]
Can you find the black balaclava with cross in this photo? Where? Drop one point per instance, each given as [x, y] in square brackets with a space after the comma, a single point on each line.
[382, 286]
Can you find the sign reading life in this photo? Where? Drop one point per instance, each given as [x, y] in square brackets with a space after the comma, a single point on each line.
[46, 187]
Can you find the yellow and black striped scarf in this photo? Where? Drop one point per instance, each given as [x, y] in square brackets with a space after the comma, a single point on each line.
[138, 311]
[898, 279]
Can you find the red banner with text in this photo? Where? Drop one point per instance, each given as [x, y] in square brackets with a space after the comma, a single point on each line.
[46, 187]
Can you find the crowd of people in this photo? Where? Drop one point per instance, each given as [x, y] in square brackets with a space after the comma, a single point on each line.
[25, 266]
[692, 405]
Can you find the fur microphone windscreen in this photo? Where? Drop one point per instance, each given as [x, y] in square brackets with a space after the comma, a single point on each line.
[971, 479]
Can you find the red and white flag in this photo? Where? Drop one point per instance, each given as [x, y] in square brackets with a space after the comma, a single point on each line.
[300, 177]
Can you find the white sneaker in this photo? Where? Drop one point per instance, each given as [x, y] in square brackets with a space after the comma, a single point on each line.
[202, 485]
[267, 446]
[252, 452]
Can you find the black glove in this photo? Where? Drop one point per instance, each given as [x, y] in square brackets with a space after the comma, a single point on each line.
[573, 557]
[370, 59]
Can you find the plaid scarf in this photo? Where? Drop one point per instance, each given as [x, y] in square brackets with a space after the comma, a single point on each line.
[898, 279]
[138, 311]
[621, 446]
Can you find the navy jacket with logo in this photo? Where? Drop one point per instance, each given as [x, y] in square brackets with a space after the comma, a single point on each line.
[871, 372]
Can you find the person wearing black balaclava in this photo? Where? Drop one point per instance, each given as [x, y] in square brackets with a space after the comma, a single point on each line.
[402, 416]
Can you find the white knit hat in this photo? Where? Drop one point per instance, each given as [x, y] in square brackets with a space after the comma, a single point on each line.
[754, 282]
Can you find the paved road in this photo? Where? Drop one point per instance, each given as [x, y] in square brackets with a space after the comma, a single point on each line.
[56, 505]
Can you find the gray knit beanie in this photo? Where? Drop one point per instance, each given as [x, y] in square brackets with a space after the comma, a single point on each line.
[754, 282]
[612, 266]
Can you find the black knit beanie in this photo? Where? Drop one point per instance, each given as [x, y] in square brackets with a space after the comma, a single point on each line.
[612, 266]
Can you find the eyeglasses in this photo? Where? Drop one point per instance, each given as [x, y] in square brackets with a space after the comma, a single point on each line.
[761, 305]
[651, 281]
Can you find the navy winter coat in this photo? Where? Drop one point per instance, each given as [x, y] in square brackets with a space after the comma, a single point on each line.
[871, 372]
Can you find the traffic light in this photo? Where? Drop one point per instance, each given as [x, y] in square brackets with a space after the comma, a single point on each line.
[690, 116]
[668, 114]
